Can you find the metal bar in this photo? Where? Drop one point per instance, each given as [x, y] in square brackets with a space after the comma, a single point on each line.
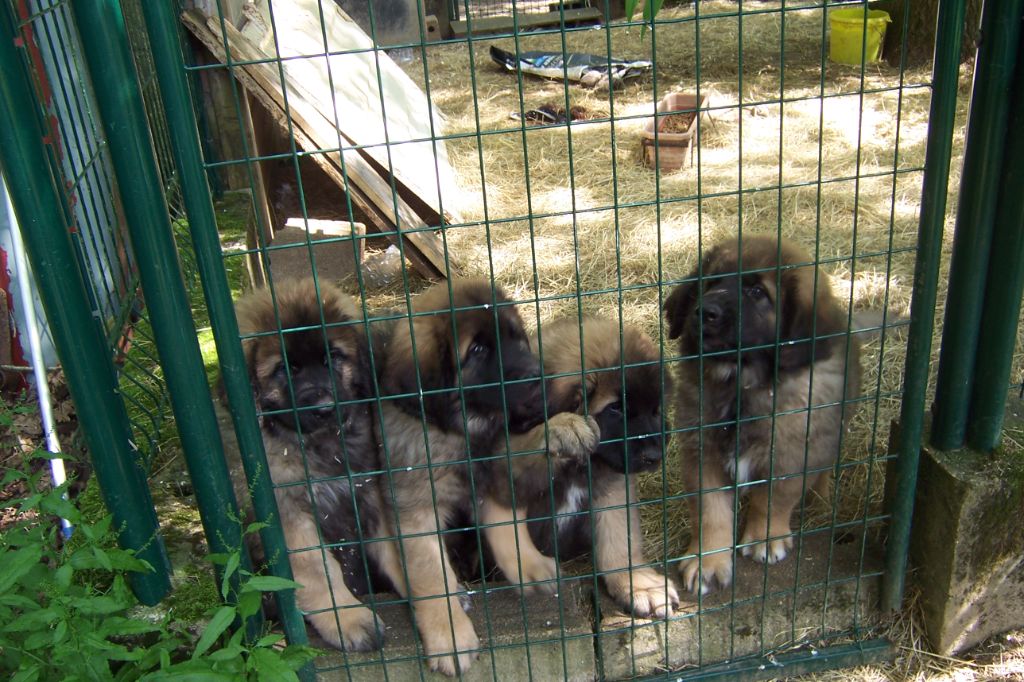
[941, 117]
[105, 46]
[161, 24]
[998, 335]
[792, 664]
[972, 239]
[77, 333]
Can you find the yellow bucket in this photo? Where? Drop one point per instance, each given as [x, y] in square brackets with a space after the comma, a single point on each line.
[847, 44]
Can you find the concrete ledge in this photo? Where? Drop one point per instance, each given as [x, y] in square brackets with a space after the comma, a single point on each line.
[525, 637]
[798, 602]
[967, 544]
[770, 611]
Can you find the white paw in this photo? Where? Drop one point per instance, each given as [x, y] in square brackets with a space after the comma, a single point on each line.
[572, 435]
[653, 595]
[361, 629]
[708, 572]
[770, 552]
[542, 571]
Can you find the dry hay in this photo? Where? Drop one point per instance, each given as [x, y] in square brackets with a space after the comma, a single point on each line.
[568, 215]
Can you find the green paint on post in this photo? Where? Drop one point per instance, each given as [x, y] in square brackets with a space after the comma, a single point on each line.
[77, 333]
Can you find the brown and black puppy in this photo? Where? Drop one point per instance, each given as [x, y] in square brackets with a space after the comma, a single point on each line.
[446, 402]
[306, 364]
[767, 368]
[585, 476]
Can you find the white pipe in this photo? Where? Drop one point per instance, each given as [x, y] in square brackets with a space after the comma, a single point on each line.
[25, 287]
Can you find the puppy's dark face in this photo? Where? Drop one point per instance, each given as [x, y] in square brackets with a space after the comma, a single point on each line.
[298, 384]
[631, 439]
[498, 368]
[471, 335]
[628, 413]
[735, 311]
[770, 297]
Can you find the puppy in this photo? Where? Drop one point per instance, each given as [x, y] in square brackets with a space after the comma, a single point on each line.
[767, 367]
[588, 466]
[305, 364]
[445, 370]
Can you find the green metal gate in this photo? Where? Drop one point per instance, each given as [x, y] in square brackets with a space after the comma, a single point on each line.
[537, 186]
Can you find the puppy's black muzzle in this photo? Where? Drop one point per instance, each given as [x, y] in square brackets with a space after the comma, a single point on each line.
[641, 450]
[715, 321]
[315, 407]
[524, 396]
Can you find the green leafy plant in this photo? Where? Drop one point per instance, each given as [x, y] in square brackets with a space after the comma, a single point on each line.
[65, 608]
[650, 10]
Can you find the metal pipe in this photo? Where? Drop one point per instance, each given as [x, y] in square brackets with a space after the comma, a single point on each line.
[161, 25]
[106, 49]
[972, 239]
[77, 334]
[941, 116]
[998, 335]
[35, 349]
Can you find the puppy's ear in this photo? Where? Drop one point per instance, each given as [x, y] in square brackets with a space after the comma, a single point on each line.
[679, 305]
[807, 313]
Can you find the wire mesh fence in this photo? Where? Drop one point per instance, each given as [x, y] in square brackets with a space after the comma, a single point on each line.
[540, 191]
[553, 376]
[88, 190]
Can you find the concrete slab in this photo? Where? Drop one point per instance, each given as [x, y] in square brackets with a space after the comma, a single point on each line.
[967, 543]
[331, 247]
[527, 638]
[772, 609]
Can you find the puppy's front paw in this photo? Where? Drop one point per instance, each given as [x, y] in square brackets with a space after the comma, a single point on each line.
[770, 552]
[361, 629]
[540, 570]
[645, 592]
[708, 572]
[572, 435]
[460, 656]
[447, 654]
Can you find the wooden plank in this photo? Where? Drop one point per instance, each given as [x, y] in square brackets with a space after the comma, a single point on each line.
[509, 23]
[422, 247]
[262, 232]
[378, 106]
[368, 190]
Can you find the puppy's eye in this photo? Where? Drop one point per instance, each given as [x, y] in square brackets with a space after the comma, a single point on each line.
[477, 349]
[757, 293]
[338, 356]
[613, 409]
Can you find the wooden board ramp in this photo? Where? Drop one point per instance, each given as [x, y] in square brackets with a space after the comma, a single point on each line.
[366, 138]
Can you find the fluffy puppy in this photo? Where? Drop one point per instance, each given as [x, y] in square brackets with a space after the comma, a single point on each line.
[767, 367]
[587, 466]
[306, 364]
[445, 368]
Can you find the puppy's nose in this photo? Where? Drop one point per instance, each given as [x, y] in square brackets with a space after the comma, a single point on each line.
[320, 400]
[651, 449]
[711, 312]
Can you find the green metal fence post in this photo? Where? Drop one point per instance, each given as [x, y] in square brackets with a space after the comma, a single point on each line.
[941, 118]
[979, 183]
[161, 24]
[105, 45]
[84, 353]
[1006, 284]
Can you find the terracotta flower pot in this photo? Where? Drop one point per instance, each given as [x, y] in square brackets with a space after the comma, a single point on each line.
[677, 131]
